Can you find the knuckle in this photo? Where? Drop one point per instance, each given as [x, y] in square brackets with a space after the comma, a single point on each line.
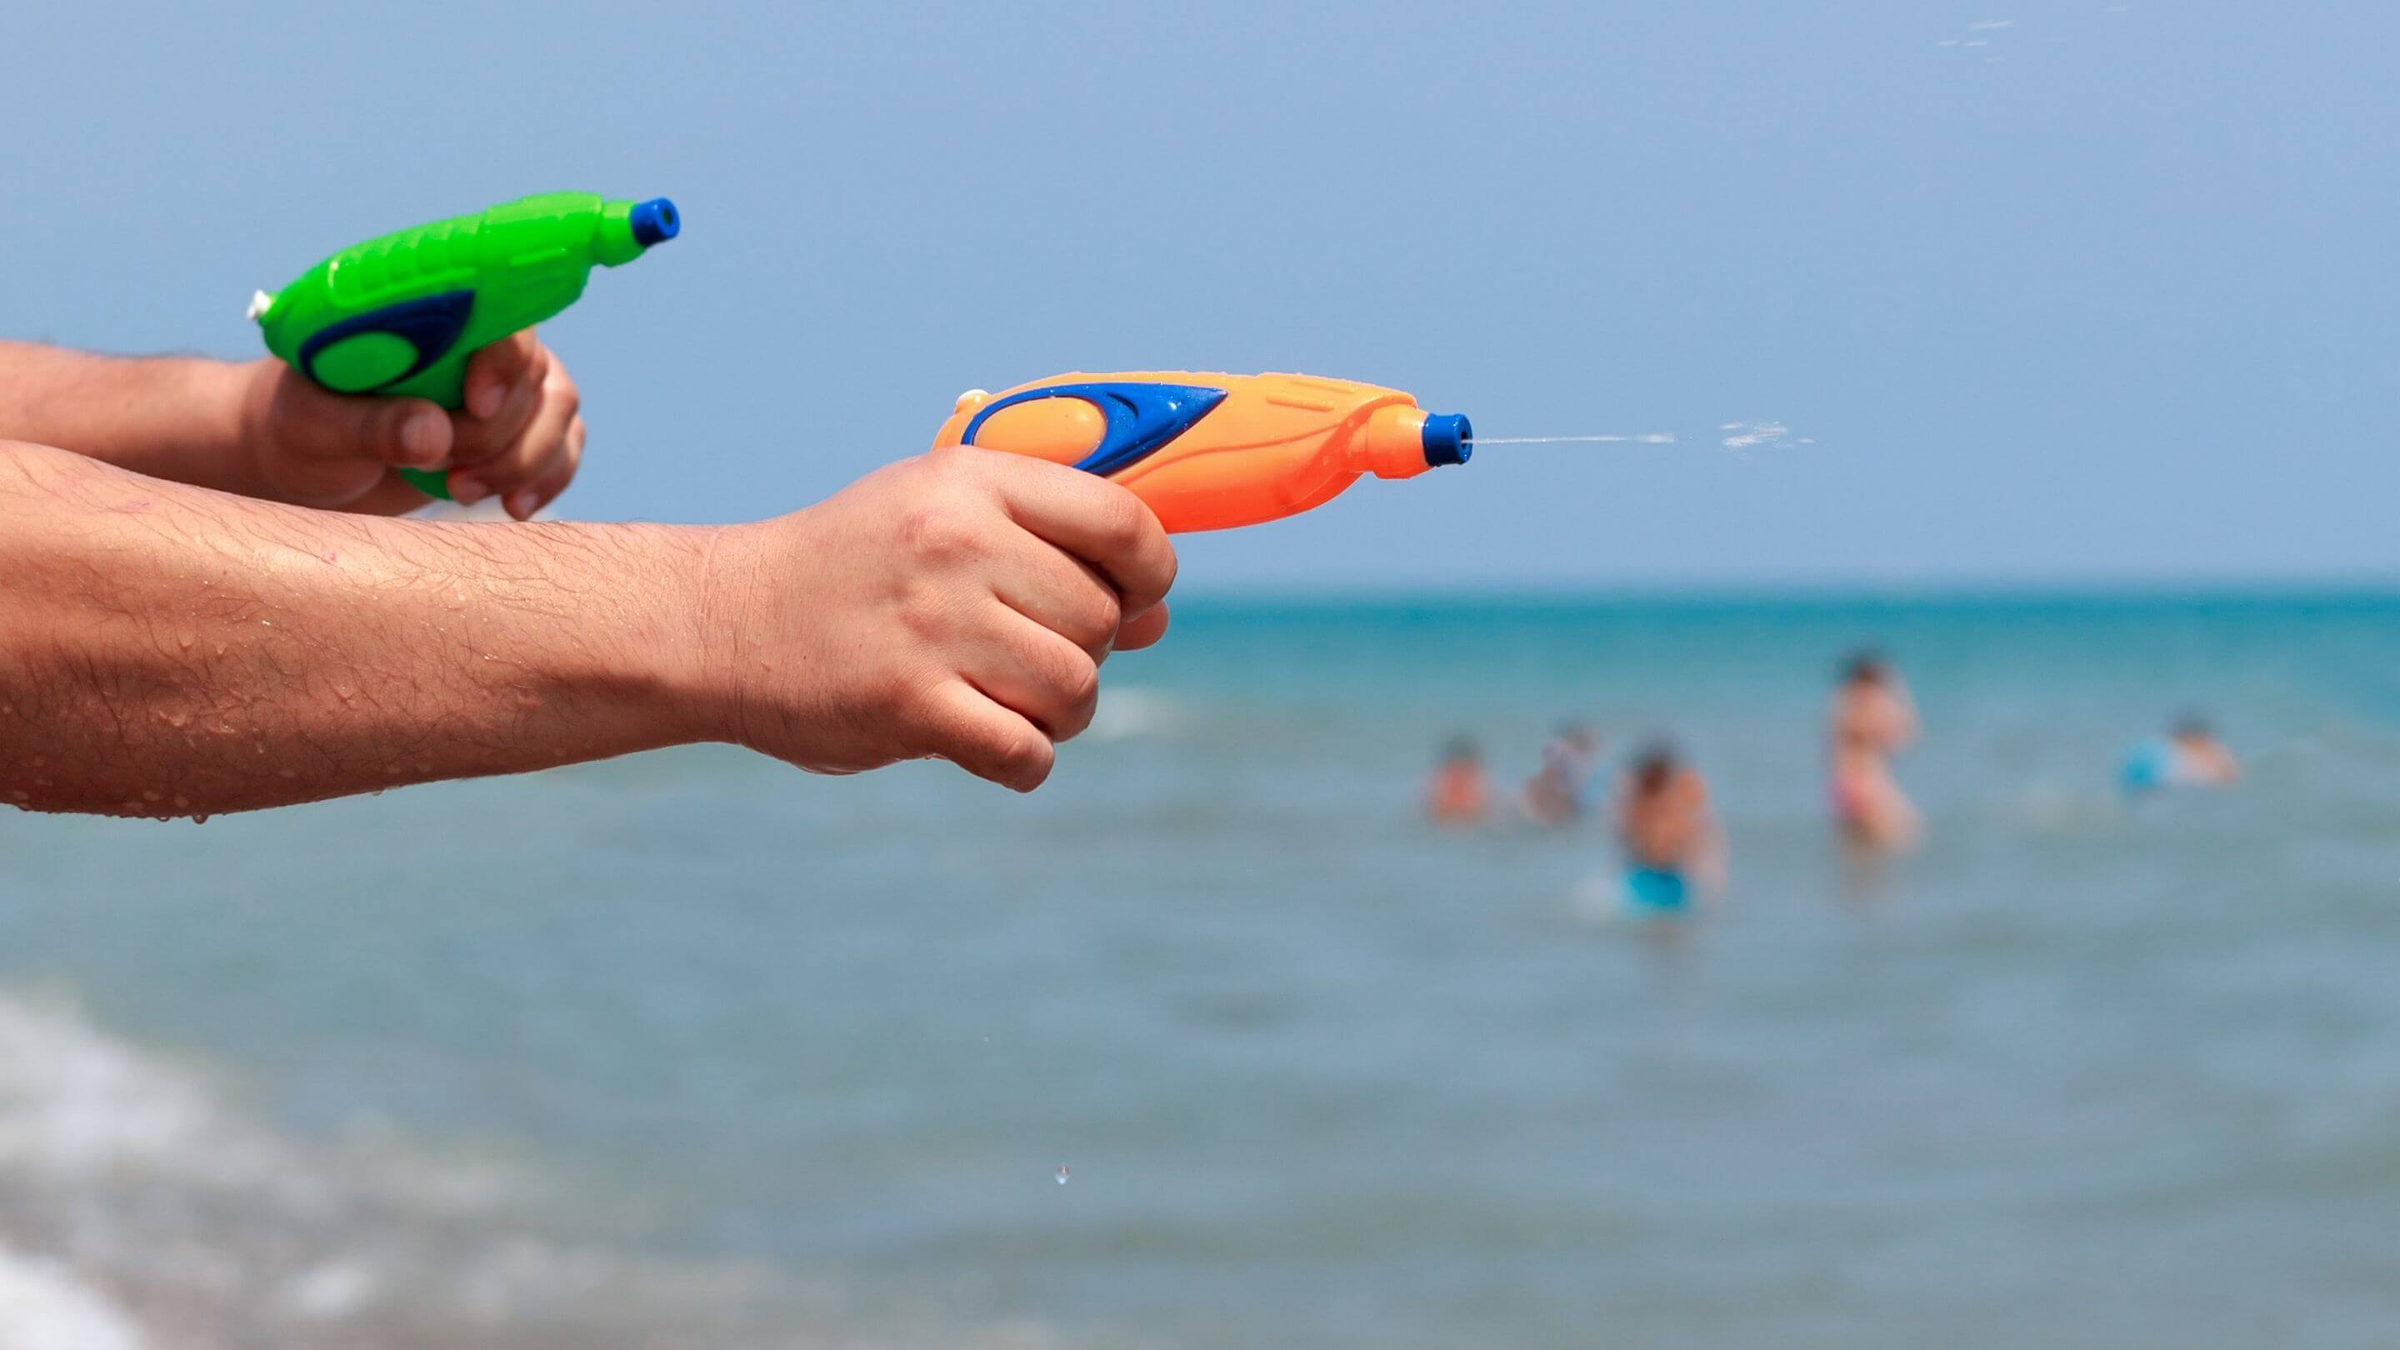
[950, 459]
[1124, 523]
[925, 612]
[1079, 688]
[939, 533]
[1096, 622]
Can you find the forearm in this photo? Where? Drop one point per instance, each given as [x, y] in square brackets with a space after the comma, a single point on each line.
[168, 650]
[173, 417]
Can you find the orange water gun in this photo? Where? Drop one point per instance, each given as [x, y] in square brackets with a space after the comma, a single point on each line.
[1209, 452]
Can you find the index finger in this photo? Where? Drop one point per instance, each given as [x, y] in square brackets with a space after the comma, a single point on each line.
[498, 367]
[1097, 521]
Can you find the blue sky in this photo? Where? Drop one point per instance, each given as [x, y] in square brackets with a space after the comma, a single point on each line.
[2109, 296]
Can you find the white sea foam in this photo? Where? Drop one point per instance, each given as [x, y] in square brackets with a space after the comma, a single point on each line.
[330, 1290]
[75, 1104]
[1128, 714]
[75, 1107]
[44, 1307]
[127, 1170]
[147, 1208]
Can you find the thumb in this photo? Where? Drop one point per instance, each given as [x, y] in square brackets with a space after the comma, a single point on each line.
[410, 432]
[316, 424]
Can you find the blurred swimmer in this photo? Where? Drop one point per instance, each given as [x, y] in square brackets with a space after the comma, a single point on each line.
[1674, 852]
[1555, 795]
[1459, 792]
[2188, 756]
[2205, 760]
[1872, 720]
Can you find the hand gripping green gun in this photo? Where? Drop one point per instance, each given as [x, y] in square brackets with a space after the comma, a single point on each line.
[402, 314]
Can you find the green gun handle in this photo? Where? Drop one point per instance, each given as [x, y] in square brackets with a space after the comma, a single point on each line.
[433, 483]
[444, 382]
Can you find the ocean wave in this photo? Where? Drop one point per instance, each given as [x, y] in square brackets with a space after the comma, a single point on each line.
[43, 1306]
[142, 1208]
[1128, 714]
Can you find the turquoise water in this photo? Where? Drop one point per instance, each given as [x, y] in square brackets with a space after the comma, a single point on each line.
[692, 1050]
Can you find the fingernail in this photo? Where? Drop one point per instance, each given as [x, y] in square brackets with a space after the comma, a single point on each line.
[487, 400]
[468, 491]
[521, 503]
[421, 437]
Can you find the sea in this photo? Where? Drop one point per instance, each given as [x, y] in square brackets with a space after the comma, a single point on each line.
[1213, 1044]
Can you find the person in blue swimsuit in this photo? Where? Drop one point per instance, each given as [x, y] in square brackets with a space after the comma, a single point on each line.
[1674, 852]
[2189, 756]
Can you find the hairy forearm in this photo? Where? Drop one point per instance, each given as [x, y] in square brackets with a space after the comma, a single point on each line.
[166, 650]
[172, 417]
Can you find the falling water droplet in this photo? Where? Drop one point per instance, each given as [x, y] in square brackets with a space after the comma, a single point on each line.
[1062, 1174]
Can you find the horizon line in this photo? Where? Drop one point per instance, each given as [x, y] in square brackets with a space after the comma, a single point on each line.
[1935, 590]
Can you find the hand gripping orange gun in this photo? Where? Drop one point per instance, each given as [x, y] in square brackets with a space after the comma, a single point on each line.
[1209, 452]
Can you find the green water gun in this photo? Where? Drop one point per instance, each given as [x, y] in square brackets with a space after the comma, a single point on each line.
[403, 314]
